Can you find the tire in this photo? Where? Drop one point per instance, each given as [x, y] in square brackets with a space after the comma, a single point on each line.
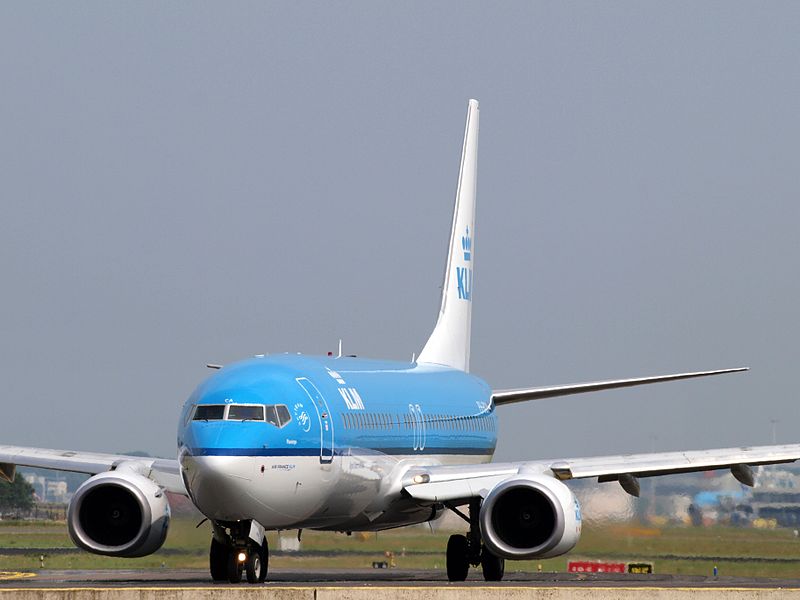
[493, 566]
[218, 560]
[457, 558]
[264, 560]
[234, 567]
[256, 564]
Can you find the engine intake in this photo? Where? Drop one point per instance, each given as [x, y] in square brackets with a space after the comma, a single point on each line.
[530, 517]
[119, 513]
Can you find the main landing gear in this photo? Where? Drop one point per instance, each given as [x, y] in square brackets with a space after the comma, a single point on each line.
[466, 550]
[240, 552]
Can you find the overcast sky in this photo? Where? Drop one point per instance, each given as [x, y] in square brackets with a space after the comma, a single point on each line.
[185, 183]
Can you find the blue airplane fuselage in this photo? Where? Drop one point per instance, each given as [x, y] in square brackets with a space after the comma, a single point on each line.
[343, 430]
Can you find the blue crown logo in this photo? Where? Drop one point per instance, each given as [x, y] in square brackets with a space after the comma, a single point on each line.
[466, 245]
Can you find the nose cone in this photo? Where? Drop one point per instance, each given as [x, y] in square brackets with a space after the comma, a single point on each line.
[221, 486]
[218, 463]
[226, 457]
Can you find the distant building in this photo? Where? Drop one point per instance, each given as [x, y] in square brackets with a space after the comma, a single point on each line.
[777, 496]
[50, 490]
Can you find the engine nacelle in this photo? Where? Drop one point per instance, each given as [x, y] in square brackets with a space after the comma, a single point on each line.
[119, 513]
[530, 517]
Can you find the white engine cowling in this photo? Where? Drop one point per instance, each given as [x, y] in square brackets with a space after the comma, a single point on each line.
[119, 513]
[530, 517]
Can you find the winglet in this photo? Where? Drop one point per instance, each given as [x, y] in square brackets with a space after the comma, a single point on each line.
[450, 340]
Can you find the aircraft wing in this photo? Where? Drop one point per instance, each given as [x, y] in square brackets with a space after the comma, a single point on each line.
[501, 397]
[164, 472]
[455, 483]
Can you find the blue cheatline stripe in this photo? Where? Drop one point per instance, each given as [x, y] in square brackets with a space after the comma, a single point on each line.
[338, 452]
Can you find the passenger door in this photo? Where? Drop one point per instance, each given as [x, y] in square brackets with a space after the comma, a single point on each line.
[325, 421]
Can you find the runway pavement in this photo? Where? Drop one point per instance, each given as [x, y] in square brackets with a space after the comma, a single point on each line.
[381, 578]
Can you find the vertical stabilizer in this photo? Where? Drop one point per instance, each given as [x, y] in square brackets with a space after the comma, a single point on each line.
[449, 342]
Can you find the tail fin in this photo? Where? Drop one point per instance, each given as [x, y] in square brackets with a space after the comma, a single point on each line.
[449, 342]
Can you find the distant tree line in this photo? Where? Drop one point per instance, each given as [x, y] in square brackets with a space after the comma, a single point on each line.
[16, 496]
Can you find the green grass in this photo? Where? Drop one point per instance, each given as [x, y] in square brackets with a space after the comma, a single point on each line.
[677, 550]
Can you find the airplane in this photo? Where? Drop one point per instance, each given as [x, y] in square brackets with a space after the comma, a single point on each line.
[347, 444]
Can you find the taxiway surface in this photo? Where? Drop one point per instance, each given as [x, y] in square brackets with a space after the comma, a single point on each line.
[380, 578]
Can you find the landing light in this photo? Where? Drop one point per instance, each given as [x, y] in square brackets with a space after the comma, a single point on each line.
[242, 557]
[422, 478]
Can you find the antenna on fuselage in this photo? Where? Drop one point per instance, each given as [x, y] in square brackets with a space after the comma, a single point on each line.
[340, 348]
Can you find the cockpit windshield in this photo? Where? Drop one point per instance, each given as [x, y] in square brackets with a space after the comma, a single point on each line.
[246, 412]
[274, 414]
[209, 412]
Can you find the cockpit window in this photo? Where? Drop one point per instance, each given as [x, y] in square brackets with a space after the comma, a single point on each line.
[272, 416]
[283, 414]
[246, 412]
[278, 415]
[209, 412]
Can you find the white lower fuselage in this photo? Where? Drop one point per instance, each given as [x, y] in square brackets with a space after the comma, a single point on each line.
[354, 492]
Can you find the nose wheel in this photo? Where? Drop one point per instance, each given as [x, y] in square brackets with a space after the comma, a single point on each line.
[257, 563]
[229, 562]
[218, 560]
[234, 566]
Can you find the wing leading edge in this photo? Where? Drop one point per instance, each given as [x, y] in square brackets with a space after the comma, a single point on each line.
[453, 483]
[501, 397]
[164, 472]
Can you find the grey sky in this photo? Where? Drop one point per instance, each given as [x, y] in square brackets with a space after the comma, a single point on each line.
[193, 182]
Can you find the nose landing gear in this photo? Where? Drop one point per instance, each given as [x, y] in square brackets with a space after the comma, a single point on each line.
[463, 551]
[256, 563]
[240, 552]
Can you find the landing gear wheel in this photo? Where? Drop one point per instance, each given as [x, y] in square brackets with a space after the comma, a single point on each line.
[256, 563]
[457, 558]
[493, 566]
[264, 560]
[234, 566]
[218, 560]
